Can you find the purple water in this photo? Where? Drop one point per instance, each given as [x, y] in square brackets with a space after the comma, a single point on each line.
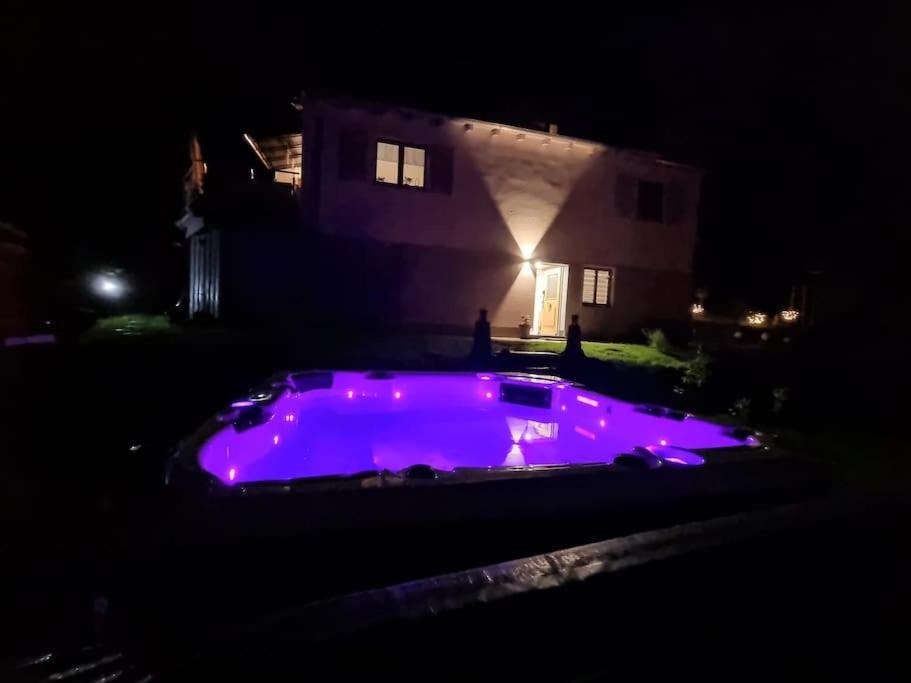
[446, 421]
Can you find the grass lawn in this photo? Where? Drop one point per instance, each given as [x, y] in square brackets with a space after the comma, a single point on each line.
[631, 354]
[129, 325]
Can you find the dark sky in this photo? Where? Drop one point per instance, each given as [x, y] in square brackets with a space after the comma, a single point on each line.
[798, 115]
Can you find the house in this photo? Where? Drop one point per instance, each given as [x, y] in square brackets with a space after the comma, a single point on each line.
[410, 219]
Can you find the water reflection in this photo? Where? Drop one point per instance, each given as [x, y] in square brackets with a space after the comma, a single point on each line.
[515, 457]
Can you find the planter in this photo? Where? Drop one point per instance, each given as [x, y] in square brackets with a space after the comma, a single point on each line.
[524, 330]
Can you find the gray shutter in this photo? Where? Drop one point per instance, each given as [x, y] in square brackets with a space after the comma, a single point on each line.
[352, 154]
[675, 203]
[441, 173]
[625, 195]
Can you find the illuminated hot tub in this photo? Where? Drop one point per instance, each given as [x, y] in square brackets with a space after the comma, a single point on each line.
[427, 425]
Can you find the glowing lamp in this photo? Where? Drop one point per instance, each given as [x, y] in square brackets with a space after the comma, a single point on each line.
[756, 318]
[697, 309]
[108, 286]
[789, 315]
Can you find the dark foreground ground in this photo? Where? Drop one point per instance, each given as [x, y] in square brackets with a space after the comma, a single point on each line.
[94, 553]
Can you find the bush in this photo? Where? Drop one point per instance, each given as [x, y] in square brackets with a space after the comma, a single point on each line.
[657, 340]
[697, 370]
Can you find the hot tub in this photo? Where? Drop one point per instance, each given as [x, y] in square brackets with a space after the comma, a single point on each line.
[357, 426]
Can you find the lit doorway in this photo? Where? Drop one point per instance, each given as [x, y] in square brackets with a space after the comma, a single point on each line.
[549, 318]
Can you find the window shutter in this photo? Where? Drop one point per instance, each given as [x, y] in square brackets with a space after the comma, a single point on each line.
[441, 173]
[675, 201]
[588, 286]
[602, 291]
[352, 155]
[625, 195]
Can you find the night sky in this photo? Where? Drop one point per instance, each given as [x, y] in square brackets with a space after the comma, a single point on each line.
[799, 116]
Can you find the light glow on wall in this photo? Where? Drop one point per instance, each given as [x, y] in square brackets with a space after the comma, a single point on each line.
[528, 184]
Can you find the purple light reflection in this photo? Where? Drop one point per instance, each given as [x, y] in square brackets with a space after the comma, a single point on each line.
[448, 421]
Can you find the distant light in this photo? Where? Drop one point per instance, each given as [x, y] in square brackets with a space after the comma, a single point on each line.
[232, 474]
[587, 401]
[756, 318]
[108, 286]
[789, 315]
[135, 447]
[397, 395]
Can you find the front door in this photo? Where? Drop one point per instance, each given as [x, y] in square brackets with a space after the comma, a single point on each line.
[550, 303]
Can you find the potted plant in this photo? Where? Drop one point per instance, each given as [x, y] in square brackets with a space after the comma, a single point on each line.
[524, 327]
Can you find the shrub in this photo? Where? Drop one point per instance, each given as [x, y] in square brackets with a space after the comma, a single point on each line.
[697, 370]
[657, 340]
[741, 409]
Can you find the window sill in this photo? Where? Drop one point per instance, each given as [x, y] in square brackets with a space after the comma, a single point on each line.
[416, 188]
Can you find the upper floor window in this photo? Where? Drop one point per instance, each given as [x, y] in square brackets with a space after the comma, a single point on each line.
[398, 164]
[596, 287]
[650, 201]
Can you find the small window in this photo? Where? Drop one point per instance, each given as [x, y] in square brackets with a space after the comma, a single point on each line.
[413, 168]
[650, 202]
[387, 163]
[400, 164]
[596, 287]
